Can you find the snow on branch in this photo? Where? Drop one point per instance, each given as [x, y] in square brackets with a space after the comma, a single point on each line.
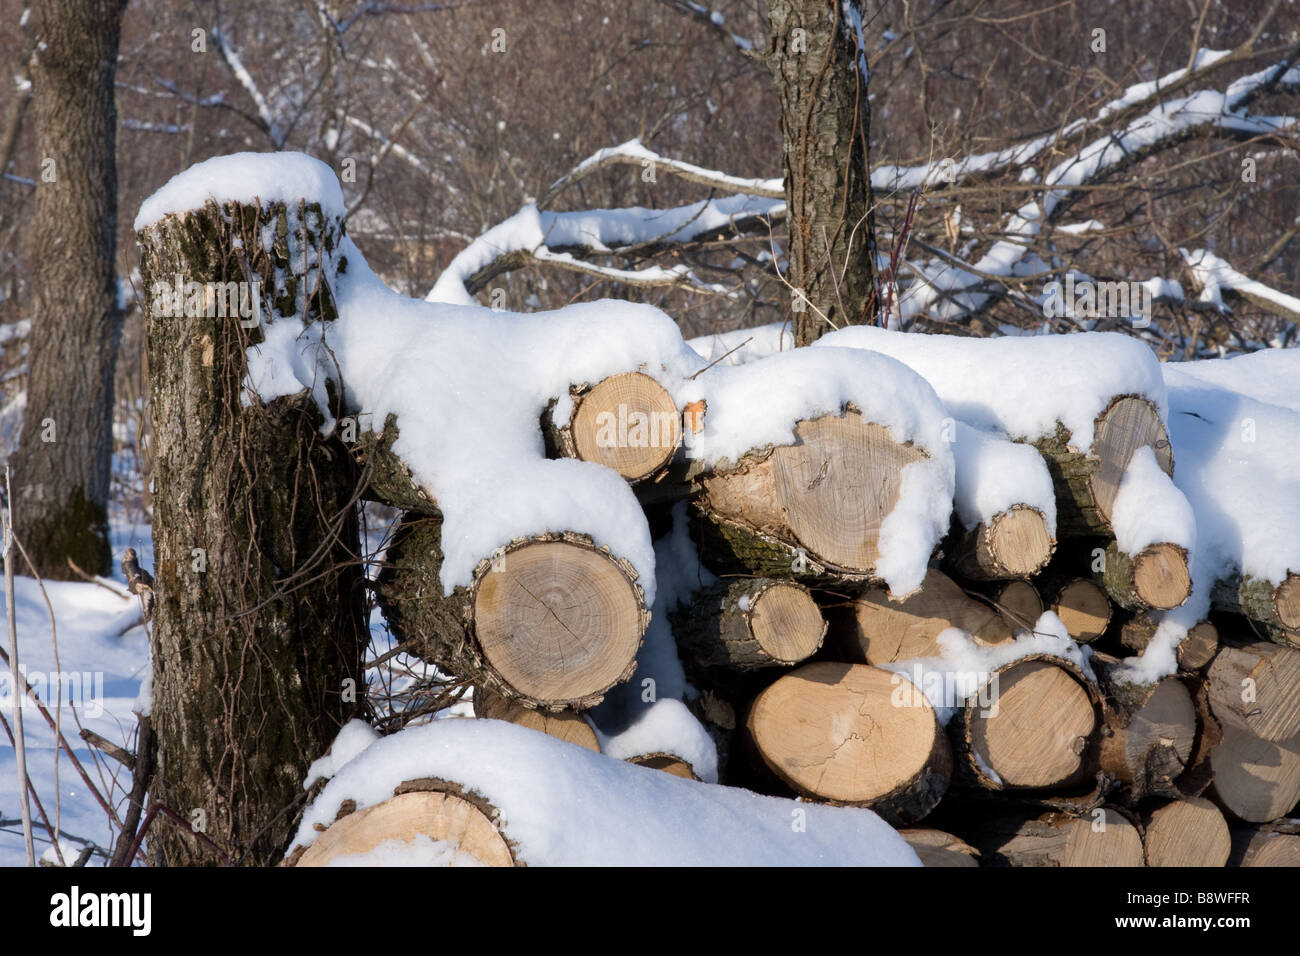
[712, 19]
[565, 239]
[1215, 277]
[1166, 125]
[948, 171]
[245, 79]
[633, 152]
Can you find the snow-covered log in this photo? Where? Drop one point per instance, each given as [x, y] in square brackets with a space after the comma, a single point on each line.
[551, 620]
[749, 624]
[1032, 725]
[1150, 730]
[537, 801]
[1194, 651]
[873, 629]
[854, 734]
[821, 463]
[1004, 505]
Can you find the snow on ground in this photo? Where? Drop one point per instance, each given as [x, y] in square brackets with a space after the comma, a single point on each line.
[103, 657]
[563, 805]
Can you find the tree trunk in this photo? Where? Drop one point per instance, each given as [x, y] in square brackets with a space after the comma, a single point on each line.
[813, 51]
[258, 621]
[61, 469]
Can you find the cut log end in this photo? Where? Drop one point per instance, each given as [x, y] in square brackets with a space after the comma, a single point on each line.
[1256, 780]
[558, 622]
[1036, 732]
[668, 763]
[1257, 688]
[1084, 610]
[563, 725]
[786, 623]
[822, 500]
[938, 849]
[1188, 832]
[1161, 579]
[464, 832]
[1264, 848]
[629, 423]
[1019, 542]
[1103, 838]
[1128, 424]
[1286, 599]
[845, 733]
[1019, 604]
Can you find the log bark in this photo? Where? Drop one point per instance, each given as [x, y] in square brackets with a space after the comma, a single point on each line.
[1188, 832]
[1275, 609]
[821, 79]
[549, 621]
[1012, 544]
[1156, 578]
[852, 734]
[870, 628]
[1194, 652]
[627, 422]
[1088, 479]
[749, 624]
[811, 509]
[1103, 838]
[1257, 688]
[258, 616]
[1150, 731]
[1032, 725]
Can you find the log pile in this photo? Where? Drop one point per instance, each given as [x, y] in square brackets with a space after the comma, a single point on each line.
[801, 653]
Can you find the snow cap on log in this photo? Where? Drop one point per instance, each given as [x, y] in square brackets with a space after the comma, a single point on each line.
[768, 403]
[556, 804]
[246, 178]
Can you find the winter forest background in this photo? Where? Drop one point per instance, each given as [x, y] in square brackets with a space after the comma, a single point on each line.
[445, 120]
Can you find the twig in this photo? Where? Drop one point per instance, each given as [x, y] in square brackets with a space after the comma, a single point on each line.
[122, 756]
[90, 578]
[20, 742]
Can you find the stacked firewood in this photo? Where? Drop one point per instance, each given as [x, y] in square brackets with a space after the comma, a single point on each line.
[800, 653]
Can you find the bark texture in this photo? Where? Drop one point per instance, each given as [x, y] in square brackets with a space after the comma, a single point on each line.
[61, 469]
[258, 622]
[821, 80]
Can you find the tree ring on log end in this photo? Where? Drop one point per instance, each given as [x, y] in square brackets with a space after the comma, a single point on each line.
[1160, 576]
[1286, 599]
[1128, 423]
[786, 623]
[627, 422]
[1036, 732]
[442, 817]
[558, 621]
[1019, 541]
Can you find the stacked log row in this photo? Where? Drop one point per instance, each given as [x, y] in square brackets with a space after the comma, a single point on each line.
[800, 654]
